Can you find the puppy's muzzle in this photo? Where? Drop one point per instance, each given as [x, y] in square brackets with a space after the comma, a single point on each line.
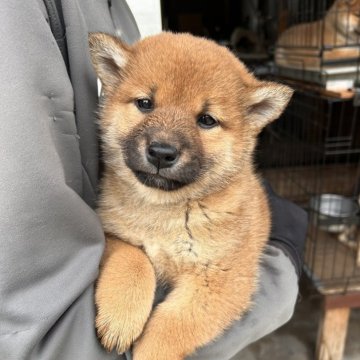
[162, 155]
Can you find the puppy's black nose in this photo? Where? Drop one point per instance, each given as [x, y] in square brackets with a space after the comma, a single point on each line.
[162, 155]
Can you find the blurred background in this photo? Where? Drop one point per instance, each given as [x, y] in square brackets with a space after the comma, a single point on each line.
[311, 155]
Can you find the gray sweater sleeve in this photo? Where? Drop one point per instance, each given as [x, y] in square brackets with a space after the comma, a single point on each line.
[51, 240]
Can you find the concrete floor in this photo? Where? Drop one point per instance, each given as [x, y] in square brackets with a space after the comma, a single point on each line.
[297, 339]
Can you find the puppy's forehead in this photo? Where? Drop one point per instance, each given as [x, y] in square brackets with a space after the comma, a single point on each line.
[189, 64]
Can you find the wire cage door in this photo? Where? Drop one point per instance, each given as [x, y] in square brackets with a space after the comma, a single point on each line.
[312, 156]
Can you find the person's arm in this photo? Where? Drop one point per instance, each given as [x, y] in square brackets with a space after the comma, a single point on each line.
[274, 302]
[51, 241]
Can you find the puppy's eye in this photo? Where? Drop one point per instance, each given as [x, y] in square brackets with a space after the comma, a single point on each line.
[206, 121]
[144, 105]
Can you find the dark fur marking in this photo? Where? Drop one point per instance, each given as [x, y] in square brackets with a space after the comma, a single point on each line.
[187, 217]
[157, 181]
[225, 270]
[205, 107]
[203, 208]
[193, 252]
[188, 230]
[153, 90]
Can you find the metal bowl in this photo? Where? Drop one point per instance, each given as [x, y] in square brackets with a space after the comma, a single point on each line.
[333, 212]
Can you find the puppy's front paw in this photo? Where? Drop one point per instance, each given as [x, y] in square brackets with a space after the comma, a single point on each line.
[118, 327]
[124, 295]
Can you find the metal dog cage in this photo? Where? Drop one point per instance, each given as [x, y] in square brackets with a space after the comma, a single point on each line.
[311, 156]
[318, 42]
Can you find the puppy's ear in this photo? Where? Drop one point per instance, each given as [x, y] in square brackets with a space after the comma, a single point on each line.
[266, 102]
[109, 56]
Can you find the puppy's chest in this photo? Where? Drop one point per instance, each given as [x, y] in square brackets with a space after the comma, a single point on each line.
[188, 247]
[175, 248]
[178, 239]
[176, 242]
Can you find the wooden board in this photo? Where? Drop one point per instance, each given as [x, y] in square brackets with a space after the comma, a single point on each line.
[350, 300]
[314, 59]
[332, 334]
[317, 89]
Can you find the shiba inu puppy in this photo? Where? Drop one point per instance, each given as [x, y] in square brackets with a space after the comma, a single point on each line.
[180, 201]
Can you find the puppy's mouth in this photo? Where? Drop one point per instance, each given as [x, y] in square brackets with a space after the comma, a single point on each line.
[157, 181]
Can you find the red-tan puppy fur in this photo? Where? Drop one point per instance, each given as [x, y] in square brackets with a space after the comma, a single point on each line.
[180, 200]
